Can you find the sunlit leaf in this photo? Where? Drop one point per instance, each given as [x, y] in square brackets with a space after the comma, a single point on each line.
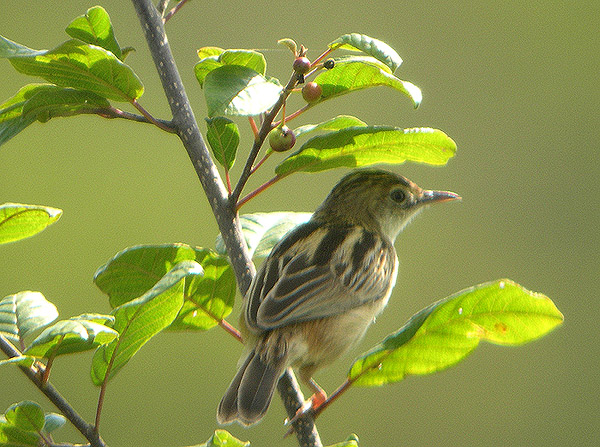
[337, 123]
[367, 145]
[26, 415]
[213, 57]
[368, 45]
[263, 230]
[135, 270]
[444, 333]
[223, 438]
[22, 360]
[224, 137]
[19, 221]
[94, 27]
[23, 313]
[357, 73]
[139, 320]
[78, 65]
[237, 90]
[208, 298]
[68, 336]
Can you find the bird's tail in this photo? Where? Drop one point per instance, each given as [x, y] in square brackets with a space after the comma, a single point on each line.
[251, 390]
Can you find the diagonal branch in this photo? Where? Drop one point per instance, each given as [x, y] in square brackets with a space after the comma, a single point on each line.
[87, 430]
[223, 208]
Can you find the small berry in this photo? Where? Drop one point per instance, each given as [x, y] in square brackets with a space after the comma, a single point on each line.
[301, 65]
[329, 64]
[282, 139]
[312, 92]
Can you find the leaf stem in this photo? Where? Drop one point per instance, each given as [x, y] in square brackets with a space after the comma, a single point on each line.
[253, 126]
[228, 181]
[87, 430]
[231, 330]
[262, 160]
[257, 191]
[295, 114]
[113, 112]
[149, 117]
[173, 11]
[337, 393]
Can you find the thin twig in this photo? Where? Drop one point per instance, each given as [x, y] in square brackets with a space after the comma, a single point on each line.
[257, 191]
[262, 134]
[149, 117]
[113, 112]
[87, 430]
[223, 208]
[173, 11]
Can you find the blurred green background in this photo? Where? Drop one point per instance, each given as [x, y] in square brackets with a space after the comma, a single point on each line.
[515, 83]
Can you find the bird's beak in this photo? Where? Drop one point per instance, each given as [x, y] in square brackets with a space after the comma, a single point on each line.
[430, 197]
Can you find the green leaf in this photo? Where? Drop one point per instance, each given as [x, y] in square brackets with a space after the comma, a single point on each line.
[23, 313]
[356, 73]
[237, 90]
[368, 45]
[208, 298]
[22, 360]
[53, 421]
[139, 320]
[222, 438]
[224, 137]
[212, 57]
[94, 27]
[135, 270]
[337, 123]
[25, 415]
[444, 333]
[11, 436]
[42, 102]
[9, 49]
[19, 221]
[263, 230]
[355, 147]
[78, 65]
[68, 336]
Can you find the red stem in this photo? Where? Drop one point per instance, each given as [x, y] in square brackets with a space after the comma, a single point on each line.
[253, 126]
[257, 191]
[149, 117]
[231, 330]
[172, 12]
[262, 160]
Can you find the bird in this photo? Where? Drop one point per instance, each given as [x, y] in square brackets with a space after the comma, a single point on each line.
[321, 287]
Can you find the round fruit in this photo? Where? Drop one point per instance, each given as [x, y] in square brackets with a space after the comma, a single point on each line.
[282, 139]
[301, 65]
[311, 92]
[329, 64]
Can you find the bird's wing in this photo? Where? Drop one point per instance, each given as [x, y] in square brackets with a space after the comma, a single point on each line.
[320, 273]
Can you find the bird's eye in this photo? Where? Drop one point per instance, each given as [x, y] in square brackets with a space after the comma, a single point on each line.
[398, 195]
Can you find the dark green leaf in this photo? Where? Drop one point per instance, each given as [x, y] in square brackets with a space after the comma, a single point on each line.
[208, 298]
[357, 73]
[94, 27]
[444, 333]
[368, 45]
[26, 415]
[223, 438]
[263, 230]
[81, 66]
[53, 421]
[212, 57]
[23, 313]
[19, 221]
[68, 336]
[42, 102]
[337, 123]
[135, 270]
[237, 90]
[224, 137]
[363, 146]
[139, 320]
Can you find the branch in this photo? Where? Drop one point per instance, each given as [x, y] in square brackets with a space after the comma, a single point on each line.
[87, 430]
[223, 208]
